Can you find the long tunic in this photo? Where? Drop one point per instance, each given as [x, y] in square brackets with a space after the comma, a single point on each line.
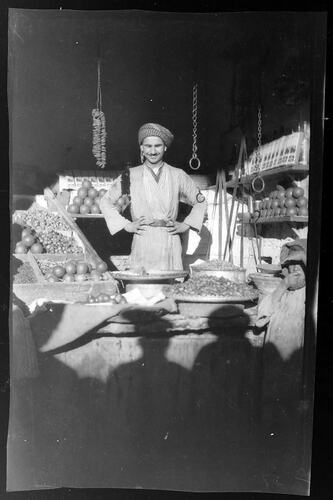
[156, 248]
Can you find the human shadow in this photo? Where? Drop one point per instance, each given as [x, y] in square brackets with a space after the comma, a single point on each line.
[149, 404]
[227, 397]
[282, 439]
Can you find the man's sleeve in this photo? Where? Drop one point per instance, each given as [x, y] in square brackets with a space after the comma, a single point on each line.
[188, 194]
[114, 220]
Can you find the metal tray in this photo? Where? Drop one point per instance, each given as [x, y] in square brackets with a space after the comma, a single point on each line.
[149, 278]
[206, 299]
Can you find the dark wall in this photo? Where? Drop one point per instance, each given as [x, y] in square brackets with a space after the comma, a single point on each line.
[149, 62]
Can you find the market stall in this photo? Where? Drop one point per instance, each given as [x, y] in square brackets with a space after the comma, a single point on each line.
[185, 374]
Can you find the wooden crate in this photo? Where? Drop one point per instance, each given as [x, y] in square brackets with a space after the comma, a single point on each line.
[69, 292]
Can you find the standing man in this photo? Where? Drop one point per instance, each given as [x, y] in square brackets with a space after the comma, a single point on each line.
[155, 190]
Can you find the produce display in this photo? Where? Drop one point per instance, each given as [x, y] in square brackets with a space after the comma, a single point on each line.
[41, 219]
[73, 271]
[105, 297]
[210, 286]
[46, 241]
[24, 274]
[87, 199]
[284, 202]
[216, 265]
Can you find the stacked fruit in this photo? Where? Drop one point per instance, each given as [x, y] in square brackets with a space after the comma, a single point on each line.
[284, 202]
[73, 271]
[29, 241]
[87, 199]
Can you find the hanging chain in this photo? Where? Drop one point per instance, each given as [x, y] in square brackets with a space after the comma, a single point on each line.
[258, 184]
[258, 150]
[195, 127]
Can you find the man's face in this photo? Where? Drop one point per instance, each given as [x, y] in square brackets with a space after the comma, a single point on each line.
[153, 149]
[296, 275]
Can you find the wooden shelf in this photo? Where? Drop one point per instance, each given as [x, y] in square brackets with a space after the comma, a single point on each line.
[283, 169]
[86, 216]
[279, 219]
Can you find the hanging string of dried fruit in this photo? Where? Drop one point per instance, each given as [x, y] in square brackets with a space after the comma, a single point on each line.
[99, 127]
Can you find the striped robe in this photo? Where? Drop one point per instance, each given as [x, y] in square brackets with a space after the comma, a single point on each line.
[156, 249]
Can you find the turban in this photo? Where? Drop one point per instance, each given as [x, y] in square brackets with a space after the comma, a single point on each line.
[155, 130]
[294, 251]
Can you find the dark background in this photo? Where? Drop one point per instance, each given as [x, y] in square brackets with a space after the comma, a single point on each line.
[149, 63]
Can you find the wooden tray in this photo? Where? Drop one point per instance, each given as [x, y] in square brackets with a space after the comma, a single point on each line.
[57, 258]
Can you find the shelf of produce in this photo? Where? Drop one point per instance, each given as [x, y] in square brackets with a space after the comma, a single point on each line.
[278, 171]
[54, 203]
[277, 219]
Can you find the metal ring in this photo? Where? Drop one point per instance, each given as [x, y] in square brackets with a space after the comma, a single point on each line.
[190, 163]
[200, 197]
[253, 184]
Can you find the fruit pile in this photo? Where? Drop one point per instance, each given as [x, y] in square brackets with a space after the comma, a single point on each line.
[87, 199]
[73, 271]
[216, 265]
[29, 241]
[284, 202]
[41, 219]
[24, 274]
[48, 241]
[202, 285]
[105, 297]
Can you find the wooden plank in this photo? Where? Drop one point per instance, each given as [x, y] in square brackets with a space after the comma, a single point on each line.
[72, 224]
[277, 219]
[87, 216]
[32, 261]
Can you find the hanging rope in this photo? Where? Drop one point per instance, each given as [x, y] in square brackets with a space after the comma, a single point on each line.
[194, 157]
[99, 128]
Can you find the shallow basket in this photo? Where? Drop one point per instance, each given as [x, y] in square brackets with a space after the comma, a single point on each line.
[266, 283]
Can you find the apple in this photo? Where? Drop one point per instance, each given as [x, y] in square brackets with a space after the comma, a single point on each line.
[74, 208]
[291, 211]
[86, 183]
[82, 192]
[289, 202]
[77, 200]
[82, 268]
[298, 192]
[20, 248]
[92, 192]
[94, 209]
[84, 209]
[68, 278]
[37, 248]
[59, 271]
[302, 211]
[28, 240]
[302, 202]
[70, 267]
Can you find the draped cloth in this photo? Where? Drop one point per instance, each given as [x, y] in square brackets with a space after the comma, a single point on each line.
[156, 249]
